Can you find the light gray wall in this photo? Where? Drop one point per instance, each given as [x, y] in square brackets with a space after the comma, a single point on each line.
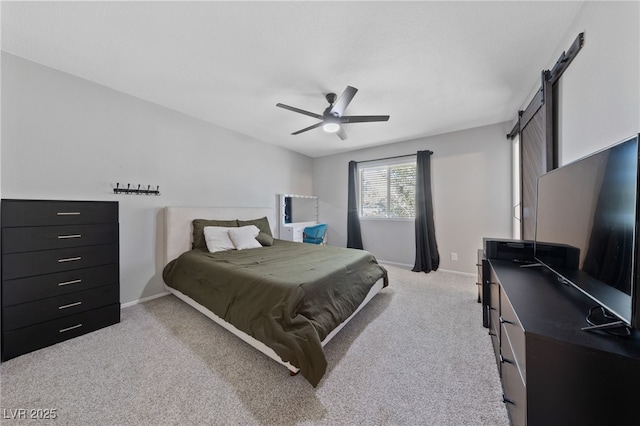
[471, 181]
[599, 105]
[600, 91]
[67, 138]
[599, 96]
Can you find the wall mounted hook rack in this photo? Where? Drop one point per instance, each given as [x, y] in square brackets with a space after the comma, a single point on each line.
[140, 190]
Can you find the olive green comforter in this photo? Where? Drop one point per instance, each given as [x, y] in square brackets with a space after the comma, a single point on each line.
[288, 296]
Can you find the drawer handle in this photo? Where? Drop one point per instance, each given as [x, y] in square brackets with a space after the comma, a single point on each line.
[66, 237]
[68, 213]
[69, 282]
[70, 328]
[491, 333]
[69, 259]
[504, 321]
[70, 305]
[507, 400]
[503, 360]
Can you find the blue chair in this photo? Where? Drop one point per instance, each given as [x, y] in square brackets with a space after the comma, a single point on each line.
[314, 234]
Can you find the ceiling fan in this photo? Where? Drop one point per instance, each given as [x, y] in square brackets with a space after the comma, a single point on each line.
[333, 117]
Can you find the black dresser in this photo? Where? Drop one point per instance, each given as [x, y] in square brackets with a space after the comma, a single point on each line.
[552, 372]
[60, 271]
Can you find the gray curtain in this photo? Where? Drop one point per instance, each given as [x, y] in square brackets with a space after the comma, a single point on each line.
[427, 257]
[354, 237]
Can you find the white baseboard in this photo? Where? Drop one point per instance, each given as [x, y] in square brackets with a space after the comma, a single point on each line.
[145, 299]
[404, 265]
[468, 274]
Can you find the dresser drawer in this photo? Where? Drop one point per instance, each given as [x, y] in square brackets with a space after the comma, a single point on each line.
[298, 234]
[494, 315]
[494, 332]
[512, 330]
[494, 295]
[45, 212]
[26, 314]
[514, 390]
[494, 305]
[15, 240]
[19, 265]
[29, 289]
[292, 233]
[28, 339]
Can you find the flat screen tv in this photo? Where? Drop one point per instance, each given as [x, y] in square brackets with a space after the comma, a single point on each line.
[590, 208]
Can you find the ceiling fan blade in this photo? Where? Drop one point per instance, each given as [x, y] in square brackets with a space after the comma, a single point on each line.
[300, 111]
[307, 128]
[343, 101]
[363, 118]
[341, 133]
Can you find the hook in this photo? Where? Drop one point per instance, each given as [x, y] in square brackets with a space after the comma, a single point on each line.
[140, 190]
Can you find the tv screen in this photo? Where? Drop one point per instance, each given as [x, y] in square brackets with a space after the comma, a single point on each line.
[589, 209]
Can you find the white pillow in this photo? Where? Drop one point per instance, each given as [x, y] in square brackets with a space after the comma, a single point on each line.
[244, 237]
[217, 238]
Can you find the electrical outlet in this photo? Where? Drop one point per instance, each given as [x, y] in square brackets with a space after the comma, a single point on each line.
[454, 256]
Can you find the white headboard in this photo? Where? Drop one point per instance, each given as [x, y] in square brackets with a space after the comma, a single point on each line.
[179, 230]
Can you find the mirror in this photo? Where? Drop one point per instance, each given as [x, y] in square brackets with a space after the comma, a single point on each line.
[298, 208]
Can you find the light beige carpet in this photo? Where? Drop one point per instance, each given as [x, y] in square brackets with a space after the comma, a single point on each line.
[417, 354]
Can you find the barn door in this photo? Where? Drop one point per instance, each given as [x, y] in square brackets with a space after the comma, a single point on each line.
[538, 128]
[537, 154]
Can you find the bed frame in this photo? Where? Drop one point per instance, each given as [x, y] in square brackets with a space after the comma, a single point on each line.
[178, 233]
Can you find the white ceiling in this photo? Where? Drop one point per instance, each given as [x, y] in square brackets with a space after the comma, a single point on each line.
[434, 67]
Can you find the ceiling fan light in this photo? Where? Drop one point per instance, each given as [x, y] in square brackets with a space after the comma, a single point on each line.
[330, 127]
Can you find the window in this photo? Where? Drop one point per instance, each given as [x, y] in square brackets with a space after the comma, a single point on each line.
[387, 190]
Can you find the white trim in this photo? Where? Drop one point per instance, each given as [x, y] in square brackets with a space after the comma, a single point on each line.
[388, 262]
[387, 219]
[468, 274]
[144, 299]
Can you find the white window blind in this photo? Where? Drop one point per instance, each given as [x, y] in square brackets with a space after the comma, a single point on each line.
[387, 190]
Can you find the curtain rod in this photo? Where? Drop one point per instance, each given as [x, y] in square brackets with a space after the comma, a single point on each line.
[386, 158]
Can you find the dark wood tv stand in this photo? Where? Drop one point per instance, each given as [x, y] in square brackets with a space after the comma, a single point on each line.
[552, 372]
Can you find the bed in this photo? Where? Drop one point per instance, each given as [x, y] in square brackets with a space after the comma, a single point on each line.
[285, 299]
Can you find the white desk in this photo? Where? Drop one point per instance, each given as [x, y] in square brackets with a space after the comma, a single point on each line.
[293, 231]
